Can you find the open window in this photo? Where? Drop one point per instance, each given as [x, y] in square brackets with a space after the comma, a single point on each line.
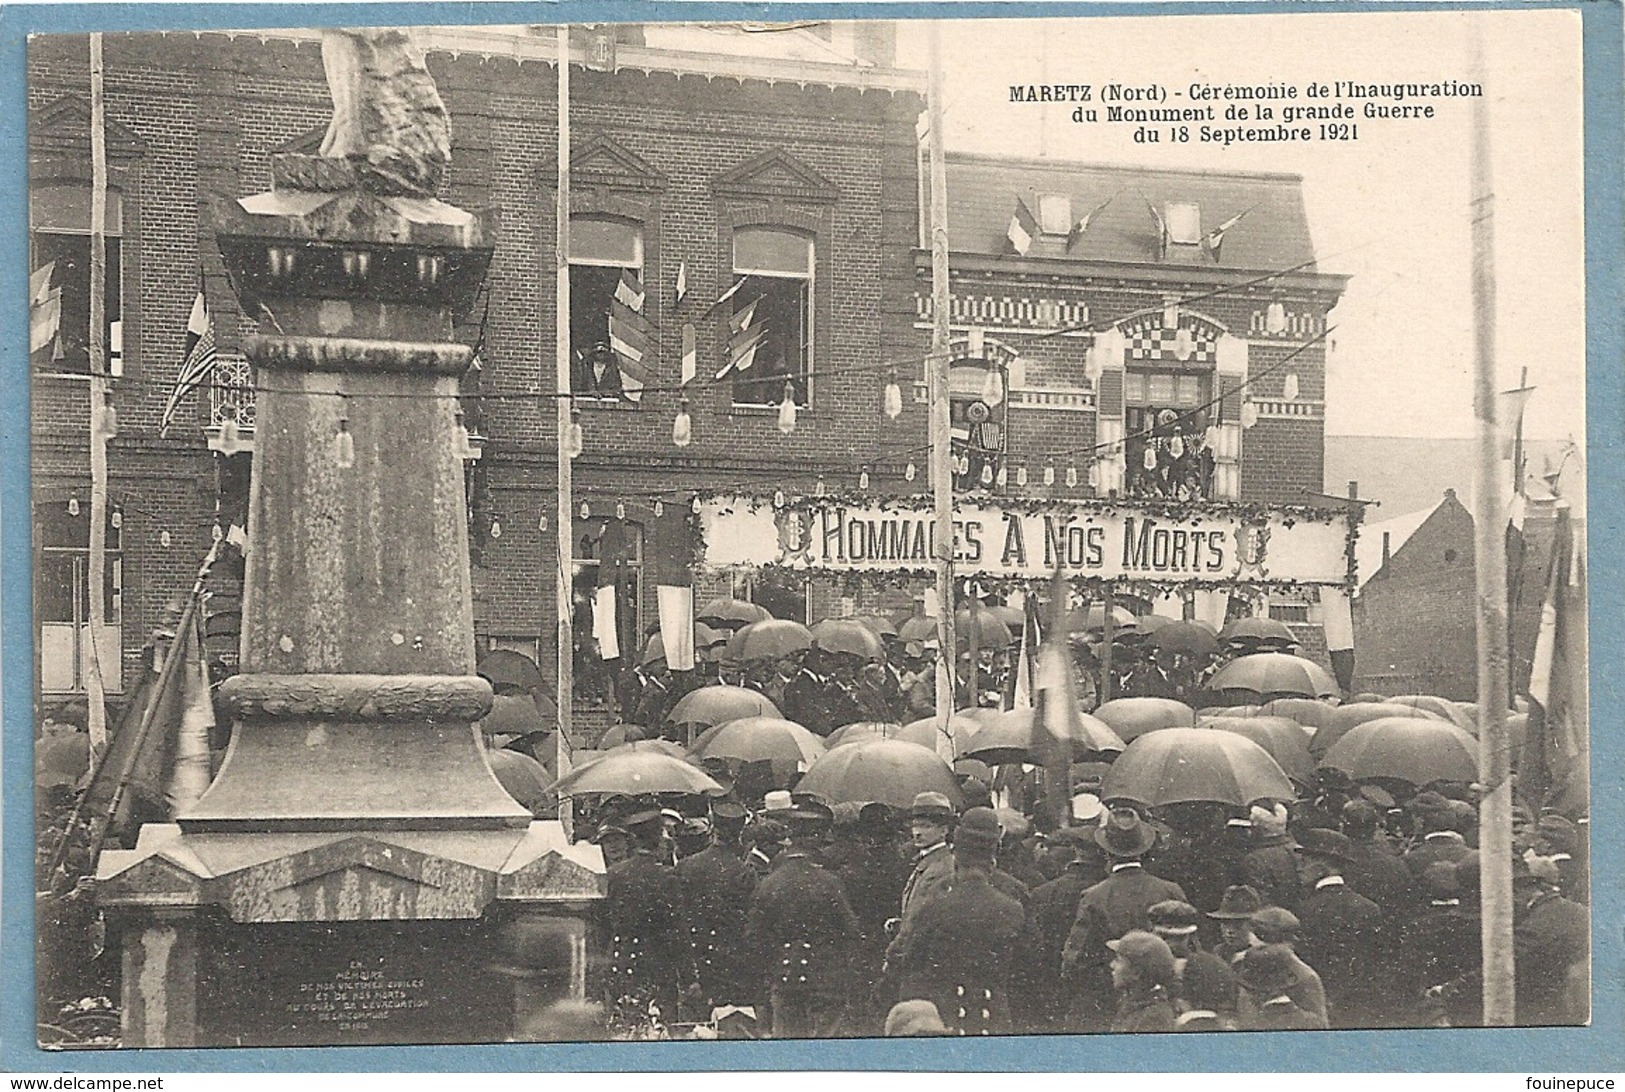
[610, 340]
[770, 329]
[59, 259]
[1166, 414]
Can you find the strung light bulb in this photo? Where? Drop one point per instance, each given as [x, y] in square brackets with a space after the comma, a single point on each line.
[73, 503]
[1049, 474]
[1071, 476]
[1184, 343]
[909, 472]
[1176, 446]
[465, 442]
[1002, 478]
[863, 478]
[1094, 474]
[1150, 458]
[1289, 386]
[694, 506]
[344, 443]
[987, 474]
[660, 508]
[787, 410]
[1119, 459]
[993, 387]
[586, 510]
[682, 429]
[819, 489]
[1021, 475]
[1275, 318]
[117, 518]
[164, 539]
[1249, 414]
[541, 523]
[496, 527]
[109, 420]
[892, 401]
[230, 435]
[573, 441]
[620, 510]
[778, 498]
[1092, 365]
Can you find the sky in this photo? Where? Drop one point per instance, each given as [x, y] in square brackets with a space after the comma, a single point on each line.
[1391, 209]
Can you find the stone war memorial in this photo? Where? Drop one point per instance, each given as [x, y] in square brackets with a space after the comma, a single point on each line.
[355, 873]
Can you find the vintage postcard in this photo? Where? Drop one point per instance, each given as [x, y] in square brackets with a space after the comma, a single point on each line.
[719, 530]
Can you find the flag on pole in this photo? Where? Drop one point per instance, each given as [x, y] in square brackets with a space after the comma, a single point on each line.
[732, 291]
[1215, 238]
[631, 335]
[744, 338]
[682, 281]
[1556, 736]
[1023, 228]
[197, 360]
[1055, 706]
[1162, 225]
[44, 308]
[674, 586]
[691, 354]
[192, 771]
[1082, 226]
[1027, 662]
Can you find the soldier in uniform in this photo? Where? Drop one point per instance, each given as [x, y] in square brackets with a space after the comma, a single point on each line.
[1142, 970]
[1054, 905]
[804, 929]
[717, 888]
[1344, 936]
[650, 962]
[645, 694]
[873, 871]
[1110, 909]
[964, 944]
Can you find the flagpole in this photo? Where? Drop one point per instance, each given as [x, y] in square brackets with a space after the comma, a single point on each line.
[936, 373]
[95, 693]
[1494, 757]
[563, 589]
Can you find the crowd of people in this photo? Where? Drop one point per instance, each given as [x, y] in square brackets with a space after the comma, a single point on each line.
[849, 920]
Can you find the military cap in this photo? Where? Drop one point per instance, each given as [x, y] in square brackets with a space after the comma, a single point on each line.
[642, 817]
[1172, 918]
[808, 807]
[727, 811]
[932, 805]
[1274, 923]
[1326, 844]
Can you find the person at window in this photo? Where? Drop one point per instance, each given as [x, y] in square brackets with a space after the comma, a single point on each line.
[597, 373]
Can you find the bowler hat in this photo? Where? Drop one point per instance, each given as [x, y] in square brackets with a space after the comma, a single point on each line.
[1125, 834]
[1274, 923]
[1268, 970]
[1326, 844]
[1147, 953]
[978, 831]
[1173, 918]
[932, 805]
[1238, 903]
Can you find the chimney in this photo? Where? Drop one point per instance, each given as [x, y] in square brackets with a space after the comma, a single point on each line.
[1385, 542]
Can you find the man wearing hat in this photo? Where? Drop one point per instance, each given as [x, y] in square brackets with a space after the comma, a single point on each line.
[1344, 936]
[1054, 905]
[872, 870]
[650, 961]
[645, 692]
[1106, 911]
[1442, 837]
[1551, 943]
[804, 931]
[770, 831]
[1372, 870]
[1206, 982]
[1272, 925]
[1558, 840]
[1267, 999]
[1270, 867]
[717, 888]
[1234, 916]
[1144, 978]
[930, 819]
[963, 947]
[1441, 971]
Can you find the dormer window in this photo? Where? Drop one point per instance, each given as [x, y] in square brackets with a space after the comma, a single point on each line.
[1184, 220]
[1054, 213]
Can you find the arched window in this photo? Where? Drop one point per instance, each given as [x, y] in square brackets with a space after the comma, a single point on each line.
[611, 344]
[770, 339]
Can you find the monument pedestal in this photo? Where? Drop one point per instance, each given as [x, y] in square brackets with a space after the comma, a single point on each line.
[355, 873]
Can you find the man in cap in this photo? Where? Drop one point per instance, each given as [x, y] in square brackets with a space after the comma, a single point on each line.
[1558, 840]
[650, 961]
[1271, 865]
[930, 819]
[964, 944]
[1371, 869]
[1234, 916]
[718, 888]
[1441, 972]
[1268, 1001]
[1206, 982]
[1442, 833]
[803, 928]
[1272, 925]
[1143, 976]
[1551, 943]
[1106, 911]
[1344, 936]
[1054, 905]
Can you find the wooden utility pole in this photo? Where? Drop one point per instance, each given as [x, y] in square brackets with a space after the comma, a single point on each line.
[1494, 749]
[95, 691]
[936, 379]
[564, 585]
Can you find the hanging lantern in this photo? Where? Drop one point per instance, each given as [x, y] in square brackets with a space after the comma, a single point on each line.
[1249, 414]
[695, 506]
[1275, 318]
[892, 401]
[1021, 476]
[863, 478]
[230, 436]
[1002, 478]
[1094, 473]
[993, 387]
[73, 503]
[778, 498]
[1176, 446]
[1092, 365]
[1289, 386]
[1119, 459]
[987, 473]
[1210, 438]
[660, 508]
[344, 444]
[909, 472]
[1049, 474]
[116, 518]
[541, 523]
[620, 510]
[682, 429]
[216, 532]
[1150, 458]
[820, 489]
[572, 436]
[1071, 476]
[109, 420]
[1184, 343]
[465, 442]
[787, 410]
[496, 527]
[164, 539]
[586, 510]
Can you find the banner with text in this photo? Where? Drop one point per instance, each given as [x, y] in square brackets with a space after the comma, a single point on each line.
[1210, 544]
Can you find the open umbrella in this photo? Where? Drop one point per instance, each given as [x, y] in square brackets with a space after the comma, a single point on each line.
[646, 746]
[863, 731]
[1227, 711]
[1308, 712]
[1013, 617]
[635, 772]
[878, 624]
[504, 668]
[759, 739]
[726, 612]
[1131, 718]
[1282, 738]
[523, 778]
[964, 724]
[917, 627]
[991, 632]
[1257, 631]
[1343, 718]
[1275, 674]
[885, 771]
[513, 715]
[769, 639]
[850, 636]
[1188, 765]
[1093, 620]
[1191, 638]
[1014, 736]
[710, 705]
[62, 757]
[1439, 707]
[1416, 750]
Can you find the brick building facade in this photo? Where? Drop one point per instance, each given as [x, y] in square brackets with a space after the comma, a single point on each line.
[786, 164]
